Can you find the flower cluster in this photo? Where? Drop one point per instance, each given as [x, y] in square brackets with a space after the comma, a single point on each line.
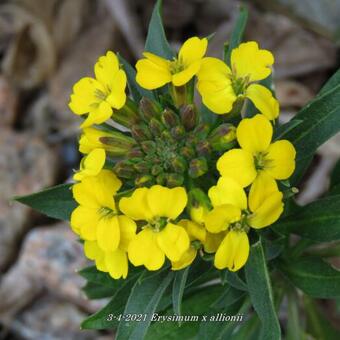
[158, 183]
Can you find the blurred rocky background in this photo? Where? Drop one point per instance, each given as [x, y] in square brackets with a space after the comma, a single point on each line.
[45, 47]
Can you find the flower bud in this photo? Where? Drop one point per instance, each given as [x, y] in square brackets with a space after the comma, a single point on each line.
[198, 205]
[174, 180]
[149, 146]
[223, 137]
[142, 167]
[203, 148]
[202, 130]
[187, 152]
[128, 115]
[124, 169]
[189, 117]
[161, 179]
[156, 127]
[170, 118]
[166, 136]
[135, 152]
[149, 108]
[144, 180]
[178, 164]
[198, 167]
[140, 132]
[178, 132]
[156, 170]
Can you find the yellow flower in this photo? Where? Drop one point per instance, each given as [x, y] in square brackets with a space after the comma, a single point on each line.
[234, 215]
[90, 139]
[91, 164]
[98, 96]
[114, 262]
[220, 86]
[154, 72]
[257, 153]
[196, 232]
[96, 220]
[159, 237]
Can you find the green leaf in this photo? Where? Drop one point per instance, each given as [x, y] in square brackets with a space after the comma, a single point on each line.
[144, 298]
[317, 324]
[294, 331]
[195, 305]
[178, 289]
[95, 291]
[261, 295]
[56, 202]
[233, 280]
[313, 276]
[249, 330]
[320, 121]
[108, 317]
[332, 82]
[156, 41]
[237, 33]
[136, 91]
[228, 297]
[209, 329]
[318, 221]
[335, 176]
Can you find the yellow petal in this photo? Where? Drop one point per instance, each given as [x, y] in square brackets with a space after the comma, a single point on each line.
[263, 186]
[117, 264]
[91, 164]
[106, 68]
[84, 195]
[181, 78]
[280, 159]
[194, 230]
[214, 85]
[213, 241]
[108, 233]
[165, 202]
[187, 258]
[254, 134]
[193, 50]
[136, 206]
[128, 229]
[249, 61]
[144, 250]
[117, 96]
[228, 191]
[83, 98]
[268, 212]
[239, 165]
[153, 72]
[98, 115]
[92, 251]
[84, 222]
[174, 241]
[221, 217]
[264, 101]
[233, 251]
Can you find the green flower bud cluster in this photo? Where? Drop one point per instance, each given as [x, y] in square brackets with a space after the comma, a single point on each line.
[169, 144]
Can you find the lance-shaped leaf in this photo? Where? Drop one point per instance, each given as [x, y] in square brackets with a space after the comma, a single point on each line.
[56, 202]
[144, 299]
[237, 33]
[156, 41]
[320, 121]
[178, 289]
[313, 276]
[318, 221]
[260, 291]
[136, 91]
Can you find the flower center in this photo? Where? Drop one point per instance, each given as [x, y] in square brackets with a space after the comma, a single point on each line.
[261, 161]
[176, 66]
[239, 85]
[242, 224]
[106, 212]
[158, 223]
